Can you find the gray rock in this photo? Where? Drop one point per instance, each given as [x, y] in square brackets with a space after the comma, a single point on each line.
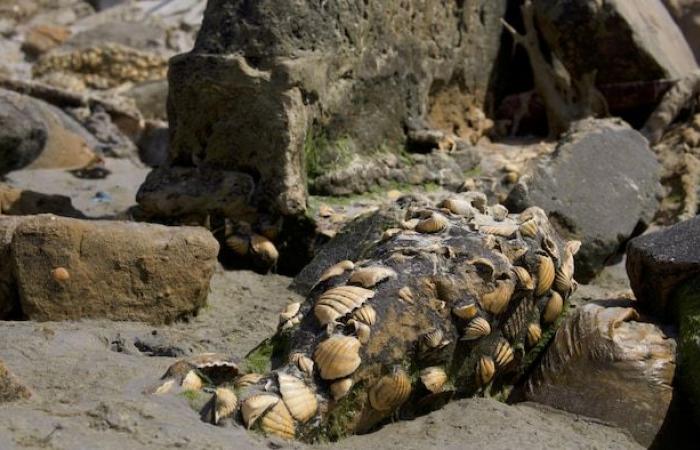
[660, 262]
[154, 143]
[109, 269]
[599, 186]
[622, 40]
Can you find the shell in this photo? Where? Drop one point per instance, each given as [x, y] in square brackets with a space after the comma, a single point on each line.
[303, 362]
[390, 391]
[499, 212]
[225, 403]
[362, 330]
[477, 199]
[459, 207]
[340, 388]
[433, 224]
[516, 323]
[534, 334]
[545, 275]
[501, 229]
[291, 322]
[240, 245]
[192, 381]
[406, 294]
[279, 421]
[298, 397]
[246, 380]
[524, 278]
[477, 328]
[336, 270]
[390, 233]
[340, 301]
[434, 339]
[563, 280]
[368, 277]
[497, 300]
[535, 213]
[365, 314]
[263, 247]
[485, 370]
[550, 247]
[573, 247]
[410, 224]
[504, 353]
[514, 249]
[60, 274]
[483, 265]
[528, 228]
[433, 378]
[289, 311]
[254, 407]
[338, 356]
[466, 311]
[554, 307]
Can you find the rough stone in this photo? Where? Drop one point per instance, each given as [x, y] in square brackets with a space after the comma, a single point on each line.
[686, 13]
[604, 364]
[660, 262]
[19, 202]
[9, 300]
[43, 38]
[10, 388]
[621, 40]
[114, 270]
[598, 167]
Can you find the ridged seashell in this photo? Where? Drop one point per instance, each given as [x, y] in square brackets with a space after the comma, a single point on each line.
[483, 265]
[504, 353]
[554, 307]
[362, 330]
[517, 322]
[303, 362]
[485, 370]
[192, 381]
[390, 391]
[60, 274]
[564, 278]
[339, 301]
[246, 380]
[466, 311]
[524, 278]
[459, 207]
[477, 328]
[434, 339]
[340, 388]
[289, 311]
[225, 403]
[406, 294]
[298, 397]
[499, 212]
[336, 270]
[528, 228]
[550, 247]
[433, 378]
[497, 300]
[502, 229]
[337, 357]
[263, 247]
[238, 244]
[254, 407]
[562, 282]
[368, 277]
[545, 275]
[279, 421]
[365, 314]
[433, 224]
[534, 334]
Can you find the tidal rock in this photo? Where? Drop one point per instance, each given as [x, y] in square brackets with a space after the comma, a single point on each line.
[599, 166]
[658, 263]
[621, 40]
[107, 269]
[10, 388]
[604, 364]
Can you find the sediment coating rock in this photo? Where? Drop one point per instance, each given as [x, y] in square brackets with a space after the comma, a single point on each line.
[433, 309]
[71, 269]
[10, 388]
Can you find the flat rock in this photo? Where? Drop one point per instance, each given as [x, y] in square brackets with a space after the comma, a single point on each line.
[599, 186]
[109, 269]
[660, 262]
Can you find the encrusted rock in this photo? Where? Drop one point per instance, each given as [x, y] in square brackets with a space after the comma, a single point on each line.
[10, 388]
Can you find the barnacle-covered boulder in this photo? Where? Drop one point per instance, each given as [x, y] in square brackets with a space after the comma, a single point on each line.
[452, 300]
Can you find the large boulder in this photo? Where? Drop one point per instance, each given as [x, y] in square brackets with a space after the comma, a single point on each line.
[686, 13]
[599, 167]
[71, 269]
[621, 40]
[270, 82]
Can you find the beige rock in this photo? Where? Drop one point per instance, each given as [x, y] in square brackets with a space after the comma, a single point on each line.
[10, 388]
[115, 270]
[43, 38]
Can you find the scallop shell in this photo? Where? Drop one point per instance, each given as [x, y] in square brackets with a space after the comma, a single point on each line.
[518, 320]
[434, 339]
[263, 247]
[238, 244]
[433, 378]
[504, 353]
[225, 403]
[502, 229]
[477, 328]
[289, 311]
[433, 224]
[466, 311]
[524, 278]
[365, 314]
[554, 307]
[485, 370]
[192, 381]
[459, 207]
[534, 334]
[303, 362]
[298, 397]
[291, 322]
[337, 357]
[339, 301]
[550, 247]
[545, 275]
[362, 330]
[336, 270]
[406, 294]
[528, 228]
[390, 391]
[279, 421]
[254, 407]
[246, 380]
[60, 274]
[499, 212]
[368, 277]
[340, 388]
[497, 300]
